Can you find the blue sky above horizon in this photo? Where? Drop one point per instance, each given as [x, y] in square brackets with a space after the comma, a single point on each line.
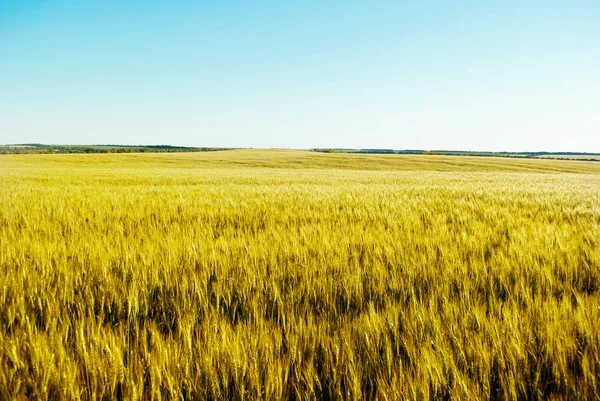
[498, 75]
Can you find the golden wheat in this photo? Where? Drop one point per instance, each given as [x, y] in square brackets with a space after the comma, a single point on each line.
[296, 275]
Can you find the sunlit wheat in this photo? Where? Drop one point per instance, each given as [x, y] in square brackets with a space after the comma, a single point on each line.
[295, 275]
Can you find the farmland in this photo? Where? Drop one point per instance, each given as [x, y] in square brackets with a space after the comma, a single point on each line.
[266, 274]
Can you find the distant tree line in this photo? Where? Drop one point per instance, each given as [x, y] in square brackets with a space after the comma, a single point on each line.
[48, 149]
[582, 156]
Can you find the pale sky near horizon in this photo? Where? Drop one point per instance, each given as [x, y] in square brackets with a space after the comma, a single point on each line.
[460, 75]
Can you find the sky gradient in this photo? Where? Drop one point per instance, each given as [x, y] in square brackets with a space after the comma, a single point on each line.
[469, 75]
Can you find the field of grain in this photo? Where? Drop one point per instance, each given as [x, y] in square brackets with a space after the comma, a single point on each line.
[252, 275]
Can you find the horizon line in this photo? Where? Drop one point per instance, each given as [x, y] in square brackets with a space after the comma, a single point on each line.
[318, 149]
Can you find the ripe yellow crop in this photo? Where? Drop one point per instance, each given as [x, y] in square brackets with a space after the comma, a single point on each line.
[296, 275]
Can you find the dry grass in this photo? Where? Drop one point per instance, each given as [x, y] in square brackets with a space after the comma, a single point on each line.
[296, 275]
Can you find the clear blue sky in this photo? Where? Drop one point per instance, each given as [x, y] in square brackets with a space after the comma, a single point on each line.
[476, 75]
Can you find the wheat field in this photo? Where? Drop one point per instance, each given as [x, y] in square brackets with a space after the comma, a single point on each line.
[270, 275]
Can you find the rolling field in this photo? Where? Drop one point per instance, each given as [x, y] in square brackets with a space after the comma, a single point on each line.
[256, 274]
